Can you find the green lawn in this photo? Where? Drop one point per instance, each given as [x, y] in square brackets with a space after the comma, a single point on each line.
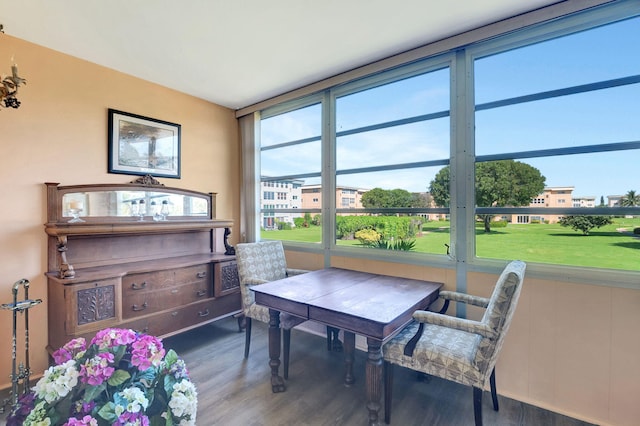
[605, 247]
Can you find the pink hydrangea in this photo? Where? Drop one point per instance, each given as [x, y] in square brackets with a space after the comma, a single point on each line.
[85, 421]
[129, 418]
[97, 369]
[70, 350]
[111, 337]
[147, 351]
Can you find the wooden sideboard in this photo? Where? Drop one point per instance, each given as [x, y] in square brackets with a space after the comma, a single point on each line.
[115, 266]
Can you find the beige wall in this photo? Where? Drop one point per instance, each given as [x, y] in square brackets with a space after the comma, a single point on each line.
[572, 348]
[59, 134]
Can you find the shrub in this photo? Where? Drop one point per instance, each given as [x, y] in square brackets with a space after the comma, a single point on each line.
[283, 225]
[368, 237]
[584, 223]
[387, 226]
[636, 231]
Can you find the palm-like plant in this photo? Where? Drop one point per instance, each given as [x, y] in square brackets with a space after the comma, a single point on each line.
[630, 199]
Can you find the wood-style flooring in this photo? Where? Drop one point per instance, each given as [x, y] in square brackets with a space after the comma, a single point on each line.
[233, 391]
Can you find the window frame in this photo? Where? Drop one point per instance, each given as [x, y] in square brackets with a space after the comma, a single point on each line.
[462, 157]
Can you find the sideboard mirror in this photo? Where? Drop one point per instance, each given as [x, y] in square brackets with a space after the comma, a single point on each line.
[126, 202]
[125, 214]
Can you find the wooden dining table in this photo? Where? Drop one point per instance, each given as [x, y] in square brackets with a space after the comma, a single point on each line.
[372, 305]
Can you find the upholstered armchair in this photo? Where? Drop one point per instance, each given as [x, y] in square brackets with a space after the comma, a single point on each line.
[259, 263]
[456, 349]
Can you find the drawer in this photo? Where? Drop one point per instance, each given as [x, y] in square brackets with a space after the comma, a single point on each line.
[193, 274]
[152, 281]
[147, 302]
[169, 322]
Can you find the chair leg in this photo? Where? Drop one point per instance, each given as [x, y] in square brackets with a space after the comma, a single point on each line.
[247, 336]
[477, 405]
[286, 346]
[329, 338]
[333, 341]
[388, 390]
[494, 394]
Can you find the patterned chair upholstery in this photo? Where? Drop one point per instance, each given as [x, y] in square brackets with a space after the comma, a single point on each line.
[456, 349]
[259, 263]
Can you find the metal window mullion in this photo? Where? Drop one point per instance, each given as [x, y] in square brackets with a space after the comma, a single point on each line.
[462, 171]
[328, 176]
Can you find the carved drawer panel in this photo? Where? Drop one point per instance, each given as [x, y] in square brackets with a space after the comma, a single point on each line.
[226, 278]
[96, 305]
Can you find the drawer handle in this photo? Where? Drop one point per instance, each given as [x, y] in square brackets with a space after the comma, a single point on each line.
[174, 291]
[201, 293]
[137, 308]
[174, 313]
[201, 274]
[204, 314]
[135, 286]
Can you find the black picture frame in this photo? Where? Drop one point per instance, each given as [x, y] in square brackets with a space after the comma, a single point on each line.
[143, 146]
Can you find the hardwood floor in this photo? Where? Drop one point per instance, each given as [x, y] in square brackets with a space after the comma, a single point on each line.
[233, 391]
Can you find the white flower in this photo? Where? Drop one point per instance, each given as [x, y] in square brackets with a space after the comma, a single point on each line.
[184, 402]
[136, 401]
[57, 382]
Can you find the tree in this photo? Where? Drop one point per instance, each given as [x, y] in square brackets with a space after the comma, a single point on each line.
[585, 223]
[421, 199]
[630, 199]
[497, 184]
[602, 201]
[378, 198]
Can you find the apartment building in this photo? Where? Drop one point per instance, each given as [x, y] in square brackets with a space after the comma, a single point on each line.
[280, 194]
[346, 197]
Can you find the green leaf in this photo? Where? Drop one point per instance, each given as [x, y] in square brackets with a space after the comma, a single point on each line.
[118, 352]
[91, 392]
[118, 377]
[169, 381]
[171, 357]
[108, 412]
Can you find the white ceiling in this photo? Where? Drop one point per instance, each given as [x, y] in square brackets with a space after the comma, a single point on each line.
[238, 52]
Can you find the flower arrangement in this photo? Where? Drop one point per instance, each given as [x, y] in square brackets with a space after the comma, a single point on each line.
[121, 378]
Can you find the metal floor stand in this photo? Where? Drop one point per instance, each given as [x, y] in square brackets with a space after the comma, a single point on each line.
[19, 373]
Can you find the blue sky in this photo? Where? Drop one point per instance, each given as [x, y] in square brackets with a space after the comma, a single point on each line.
[600, 117]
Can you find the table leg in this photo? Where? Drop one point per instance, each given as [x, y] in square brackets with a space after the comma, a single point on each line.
[277, 382]
[374, 379]
[349, 350]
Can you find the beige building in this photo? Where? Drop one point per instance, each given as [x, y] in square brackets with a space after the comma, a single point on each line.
[346, 197]
[559, 196]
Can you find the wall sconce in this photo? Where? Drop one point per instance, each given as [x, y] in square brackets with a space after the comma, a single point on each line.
[9, 85]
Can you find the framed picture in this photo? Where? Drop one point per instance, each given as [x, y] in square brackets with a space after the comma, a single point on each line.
[143, 146]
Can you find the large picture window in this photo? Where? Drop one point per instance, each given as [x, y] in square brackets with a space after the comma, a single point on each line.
[523, 146]
[561, 108]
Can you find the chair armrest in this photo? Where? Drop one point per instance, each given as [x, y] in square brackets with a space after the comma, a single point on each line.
[251, 281]
[291, 272]
[461, 324]
[464, 298]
